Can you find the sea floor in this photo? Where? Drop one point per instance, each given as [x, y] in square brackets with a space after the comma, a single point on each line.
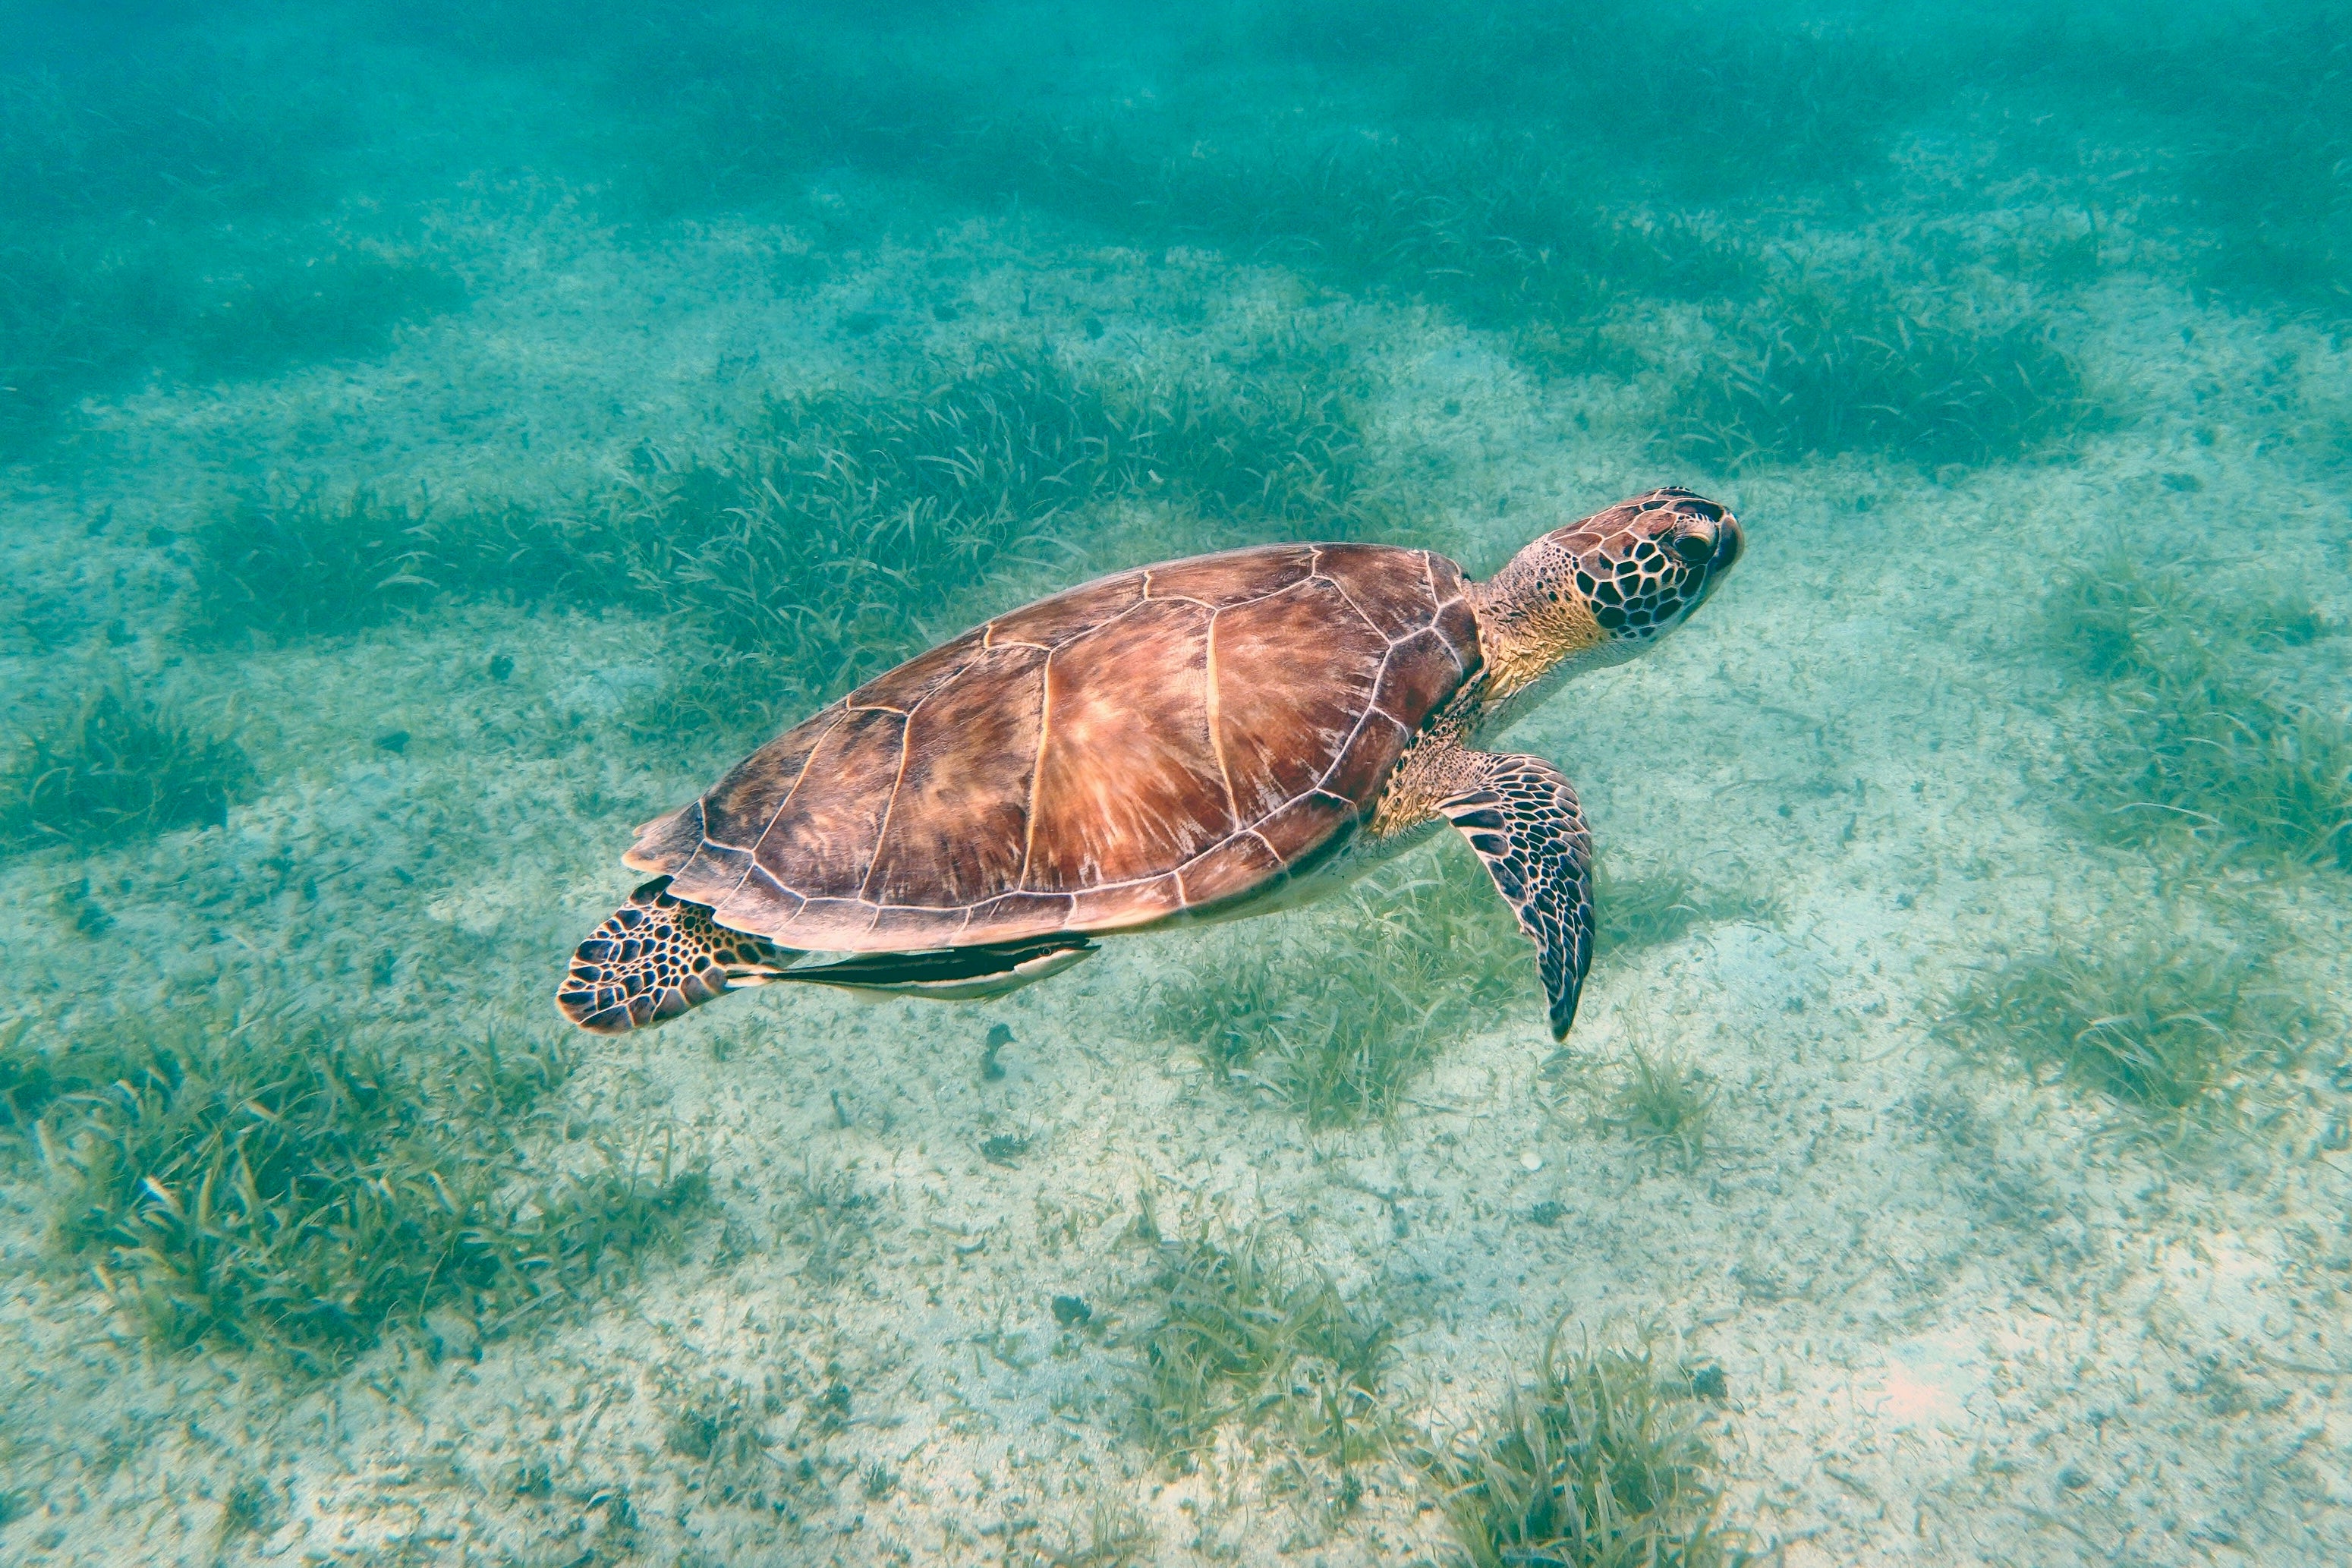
[1963, 1311]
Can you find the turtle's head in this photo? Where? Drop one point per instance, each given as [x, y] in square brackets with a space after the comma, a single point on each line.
[1600, 591]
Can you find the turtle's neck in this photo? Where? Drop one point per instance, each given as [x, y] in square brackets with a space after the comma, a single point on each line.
[1534, 637]
[1531, 623]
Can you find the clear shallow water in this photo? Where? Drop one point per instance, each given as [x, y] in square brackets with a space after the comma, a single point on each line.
[436, 446]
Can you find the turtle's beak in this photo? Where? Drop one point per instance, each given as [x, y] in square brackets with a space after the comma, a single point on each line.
[1729, 542]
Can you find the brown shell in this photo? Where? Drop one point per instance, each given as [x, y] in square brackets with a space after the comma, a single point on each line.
[1148, 744]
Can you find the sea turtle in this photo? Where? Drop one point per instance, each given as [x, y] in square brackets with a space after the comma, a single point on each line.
[1197, 740]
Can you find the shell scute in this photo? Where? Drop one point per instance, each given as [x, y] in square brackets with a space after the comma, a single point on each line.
[1459, 627]
[920, 677]
[668, 841]
[1306, 826]
[1379, 741]
[1014, 915]
[1421, 671]
[842, 923]
[1396, 603]
[1118, 799]
[908, 926]
[959, 820]
[714, 875]
[730, 817]
[755, 901]
[1294, 674]
[1130, 904]
[823, 838]
[1241, 863]
[1049, 622]
[1234, 577]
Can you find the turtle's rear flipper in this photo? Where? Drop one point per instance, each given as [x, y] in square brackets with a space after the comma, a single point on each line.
[656, 957]
[954, 974]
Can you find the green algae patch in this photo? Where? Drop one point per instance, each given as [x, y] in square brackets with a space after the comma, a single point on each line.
[719, 1426]
[1817, 369]
[1634, 909]
[1601, 1463]
[1336, 1026]
[2169, 1028]
[1665, 1103]
[309, 563]
[2121, 617]
[1246, 1330]
[343, 303]
[2208, 726]
[297, 1187]
[2231, 763]
[837, 535]
[121, 767]
[295, 563]
[1335, 1030]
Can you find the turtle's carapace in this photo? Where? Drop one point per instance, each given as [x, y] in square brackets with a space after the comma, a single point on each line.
[1193, 739]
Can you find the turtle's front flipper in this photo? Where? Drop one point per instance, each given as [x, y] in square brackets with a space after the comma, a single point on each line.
[1522, 818]
[654, 957]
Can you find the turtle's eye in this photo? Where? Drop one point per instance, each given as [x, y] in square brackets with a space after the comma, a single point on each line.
[1695, 547]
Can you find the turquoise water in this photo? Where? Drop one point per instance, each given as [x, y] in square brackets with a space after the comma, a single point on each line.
[437, 444]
